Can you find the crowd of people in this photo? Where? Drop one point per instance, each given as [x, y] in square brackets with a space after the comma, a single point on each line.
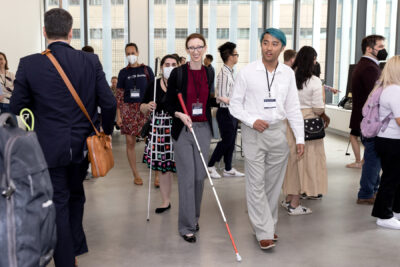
[270, 101]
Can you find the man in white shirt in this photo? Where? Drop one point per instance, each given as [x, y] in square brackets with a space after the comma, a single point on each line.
[264, 96]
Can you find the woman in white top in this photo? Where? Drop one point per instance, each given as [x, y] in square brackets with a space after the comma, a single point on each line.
[306, 175]
[387, 144]
[7, 81]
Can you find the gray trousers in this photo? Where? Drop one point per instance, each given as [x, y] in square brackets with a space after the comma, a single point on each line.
[266, 156]
[191, 174]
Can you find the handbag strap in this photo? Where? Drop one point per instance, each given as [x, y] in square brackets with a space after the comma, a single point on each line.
[67, 82]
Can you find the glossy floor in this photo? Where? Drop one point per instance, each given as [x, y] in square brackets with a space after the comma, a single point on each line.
[338, 232]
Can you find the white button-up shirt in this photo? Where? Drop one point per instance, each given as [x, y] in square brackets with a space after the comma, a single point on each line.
[250, 90]
[225, 82]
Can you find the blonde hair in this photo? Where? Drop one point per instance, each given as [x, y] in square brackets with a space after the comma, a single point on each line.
[391, 73]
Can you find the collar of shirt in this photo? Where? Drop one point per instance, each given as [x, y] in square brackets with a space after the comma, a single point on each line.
[228, 68]
[373, 59]
[52, 45]
[260, 66]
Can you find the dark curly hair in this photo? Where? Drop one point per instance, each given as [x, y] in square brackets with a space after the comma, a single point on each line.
[303, 65]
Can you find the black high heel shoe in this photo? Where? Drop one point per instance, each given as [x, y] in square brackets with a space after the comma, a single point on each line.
[161, 210]
[189, 238]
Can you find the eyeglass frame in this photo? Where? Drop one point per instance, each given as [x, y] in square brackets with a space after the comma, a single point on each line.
[193, 49]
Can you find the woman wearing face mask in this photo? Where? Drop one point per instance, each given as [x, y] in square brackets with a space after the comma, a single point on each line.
[132, 83]
[7, 81]
[163, 155]
[194, 81]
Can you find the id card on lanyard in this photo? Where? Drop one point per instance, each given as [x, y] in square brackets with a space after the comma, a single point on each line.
[135, 93]
[197, 108]
[269, 101]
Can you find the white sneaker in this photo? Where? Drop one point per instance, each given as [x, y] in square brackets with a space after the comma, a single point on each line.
[213, 173]
[233, 172]
[396, 215]
[285, 204]
[299, 210]
[391, 223]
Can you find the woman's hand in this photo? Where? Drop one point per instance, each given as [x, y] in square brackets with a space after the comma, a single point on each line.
[151, 106]
[184, 118]
[119, 119]
[326, 119]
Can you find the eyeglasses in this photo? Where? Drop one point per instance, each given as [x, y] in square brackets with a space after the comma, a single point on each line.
[192, 49]
[235, 55]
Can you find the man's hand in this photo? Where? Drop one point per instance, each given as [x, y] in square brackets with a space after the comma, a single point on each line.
[260, 125]
[300, 150]
[224, 99]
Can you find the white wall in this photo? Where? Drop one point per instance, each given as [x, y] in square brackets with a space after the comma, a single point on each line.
[340, 120]
[139, 27]
[21, 29]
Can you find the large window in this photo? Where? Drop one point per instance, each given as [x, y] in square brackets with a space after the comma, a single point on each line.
[170, 22]
[235, 21]
[313, 18]
[106, 29]
[345, 44]
[381, 19]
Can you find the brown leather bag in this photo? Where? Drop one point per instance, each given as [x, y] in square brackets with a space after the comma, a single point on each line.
[99, 145]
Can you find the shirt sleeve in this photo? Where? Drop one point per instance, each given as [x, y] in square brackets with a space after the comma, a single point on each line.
[218, 92]
[237, 101]
[21, 96]
[293, 113]
[394, 101]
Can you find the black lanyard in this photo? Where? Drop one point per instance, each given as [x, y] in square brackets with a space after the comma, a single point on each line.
[195, 83]
[273, 77]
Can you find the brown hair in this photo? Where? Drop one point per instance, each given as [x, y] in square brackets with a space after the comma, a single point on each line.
[370, 41]
[195, 36]
[4, 55]
[289, 54]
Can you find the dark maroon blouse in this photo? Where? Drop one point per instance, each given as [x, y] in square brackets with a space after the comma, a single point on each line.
[197, 90]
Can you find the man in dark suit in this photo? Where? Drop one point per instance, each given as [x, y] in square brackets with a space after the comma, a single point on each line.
[365, 75]
[61, 126]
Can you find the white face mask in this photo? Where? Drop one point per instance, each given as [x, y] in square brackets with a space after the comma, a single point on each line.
[131, 59]
[167, 71]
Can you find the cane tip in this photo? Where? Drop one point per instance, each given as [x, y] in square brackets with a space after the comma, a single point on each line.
[238, 258]
[148, 219]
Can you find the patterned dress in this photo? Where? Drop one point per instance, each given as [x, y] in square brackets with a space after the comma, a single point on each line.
[159, 150]
[134, 79]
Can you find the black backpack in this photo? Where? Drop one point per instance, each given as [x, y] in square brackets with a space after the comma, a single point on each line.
[27, 212]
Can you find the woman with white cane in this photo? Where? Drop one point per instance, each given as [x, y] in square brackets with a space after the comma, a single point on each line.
[158, 151]
[188, 98]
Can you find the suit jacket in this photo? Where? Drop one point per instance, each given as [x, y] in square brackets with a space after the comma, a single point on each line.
[363, 81]
[173, 104]
[61, 126]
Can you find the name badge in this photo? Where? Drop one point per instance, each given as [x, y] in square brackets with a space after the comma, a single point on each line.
[135, 93]
[197, 109]
[269, 103]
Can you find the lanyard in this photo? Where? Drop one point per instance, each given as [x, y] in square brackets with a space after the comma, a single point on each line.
[195, 84]
[273, 77]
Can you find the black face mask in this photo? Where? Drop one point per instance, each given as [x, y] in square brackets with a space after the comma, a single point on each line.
[382, 54]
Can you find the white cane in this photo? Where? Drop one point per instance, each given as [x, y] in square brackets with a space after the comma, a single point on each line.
[150, 146]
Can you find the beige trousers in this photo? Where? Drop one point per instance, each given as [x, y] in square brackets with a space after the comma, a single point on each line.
[266, 156]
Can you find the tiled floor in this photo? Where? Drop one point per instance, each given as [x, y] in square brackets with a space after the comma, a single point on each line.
[338, 232]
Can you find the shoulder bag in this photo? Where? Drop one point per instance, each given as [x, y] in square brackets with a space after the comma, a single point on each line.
[99, 145]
